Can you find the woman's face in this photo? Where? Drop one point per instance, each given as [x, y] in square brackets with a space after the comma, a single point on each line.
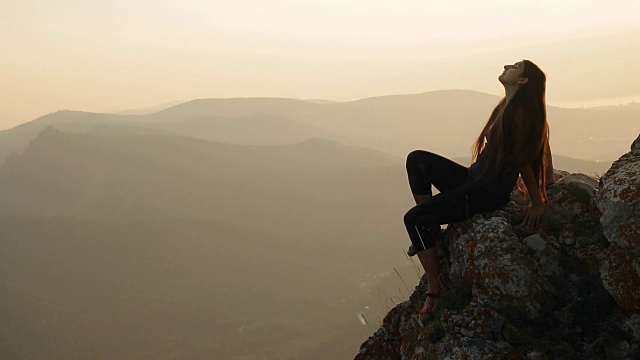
[512, 74]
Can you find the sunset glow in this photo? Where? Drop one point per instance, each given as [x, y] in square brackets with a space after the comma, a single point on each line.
[97, 56]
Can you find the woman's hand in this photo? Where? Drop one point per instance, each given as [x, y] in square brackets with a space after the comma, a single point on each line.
[532, 215]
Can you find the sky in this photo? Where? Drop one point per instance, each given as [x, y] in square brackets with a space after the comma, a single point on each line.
[107, 56]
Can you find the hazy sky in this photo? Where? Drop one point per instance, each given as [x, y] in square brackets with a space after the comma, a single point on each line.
[115, 55]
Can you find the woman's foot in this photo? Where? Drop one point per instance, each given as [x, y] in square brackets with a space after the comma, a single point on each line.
[433, 296]
[428, 310]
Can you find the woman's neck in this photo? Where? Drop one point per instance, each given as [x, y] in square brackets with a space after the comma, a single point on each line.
[510, 91]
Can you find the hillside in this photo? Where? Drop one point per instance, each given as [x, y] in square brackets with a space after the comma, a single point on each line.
[70, 174]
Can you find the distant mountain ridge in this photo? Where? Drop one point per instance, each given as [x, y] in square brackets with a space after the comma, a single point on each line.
[591, 168]
[148, 110]
[67, 170]
[445, 122]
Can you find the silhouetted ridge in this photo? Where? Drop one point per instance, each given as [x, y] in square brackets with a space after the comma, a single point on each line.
[254, 129]
[445, 122]
[441, 97]
[69, 173]
[233, 107]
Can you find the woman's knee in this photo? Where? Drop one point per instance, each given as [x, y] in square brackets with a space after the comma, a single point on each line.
[420, 216]
[422, 160]
[410, 217]
[415, 157]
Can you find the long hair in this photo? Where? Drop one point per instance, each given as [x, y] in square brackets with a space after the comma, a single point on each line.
[518, 130]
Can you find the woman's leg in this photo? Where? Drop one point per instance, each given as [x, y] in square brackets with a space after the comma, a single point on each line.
[426, 169]
[419, 227]
[420, 198]
[429, 260]
[448, 207]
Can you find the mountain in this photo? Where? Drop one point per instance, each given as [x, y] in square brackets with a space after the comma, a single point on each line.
[263, 129]
[72, 172]
[446, 122]
[592, 134]
[321, 101]
[17, 139]
[146, 246]
[591, 168]
[148, 110]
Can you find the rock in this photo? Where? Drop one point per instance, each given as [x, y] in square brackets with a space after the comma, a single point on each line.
[475, 320]
[621, 277]
[629, 323]
[559, 174]
[535, 242]
[472, 348]
[619, 202]
[573, 195]
[617, 350]
[536, 355]
[636, 144]
[499, 268]
[504, 277]
[582, 181]
[571, 290]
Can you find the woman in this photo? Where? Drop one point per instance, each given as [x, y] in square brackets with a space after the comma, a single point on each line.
[517, 142]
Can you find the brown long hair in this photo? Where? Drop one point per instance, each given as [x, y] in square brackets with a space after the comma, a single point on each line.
[518, 130]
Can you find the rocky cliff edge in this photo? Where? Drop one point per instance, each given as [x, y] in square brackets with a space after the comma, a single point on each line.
[569, 290]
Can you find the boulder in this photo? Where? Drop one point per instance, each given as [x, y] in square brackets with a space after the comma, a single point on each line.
[499, 268]
[573, 194]
[619, 202]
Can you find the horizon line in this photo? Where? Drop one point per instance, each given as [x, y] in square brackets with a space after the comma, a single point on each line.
[582, 104]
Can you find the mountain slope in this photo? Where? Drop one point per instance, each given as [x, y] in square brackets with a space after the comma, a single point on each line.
[255, 129]
[70, 174]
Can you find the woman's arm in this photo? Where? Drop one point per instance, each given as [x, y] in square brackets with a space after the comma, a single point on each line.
[533, 213]
[525, 145]
[550, 178]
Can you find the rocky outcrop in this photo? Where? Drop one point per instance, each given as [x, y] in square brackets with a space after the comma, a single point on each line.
[619, 202]
[568, 290]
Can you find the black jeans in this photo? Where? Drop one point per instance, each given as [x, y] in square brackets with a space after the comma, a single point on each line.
[460, 196]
